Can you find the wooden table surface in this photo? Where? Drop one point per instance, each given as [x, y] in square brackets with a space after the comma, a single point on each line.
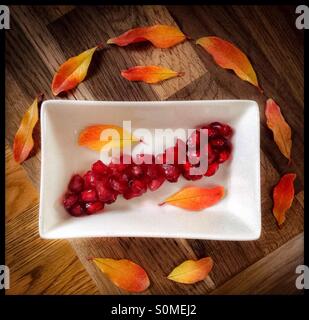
[42, 38]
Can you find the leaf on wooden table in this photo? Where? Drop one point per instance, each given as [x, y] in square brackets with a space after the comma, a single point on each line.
[161, 36]
[95, 137]
[195, 198]
[149, 74]
[280, 128]
[228, 56]
[124, 273]
[72, 72]
[23, 141]
[192, 271]
[283, 196]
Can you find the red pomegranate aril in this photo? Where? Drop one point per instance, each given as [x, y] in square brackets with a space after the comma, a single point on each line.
[89, 196]
[119, 183]
[218, 143]
[69, 200]
[156, 183]
[138, 187]
[93, 207]
[77, 210]
[105, 194]
[136, 171]
[100, 168]
[171, 172]
[212, 168]
[76, 183]
[211, 154]
[223, 156]
[152, 171]
[90, 180]
[226, 131]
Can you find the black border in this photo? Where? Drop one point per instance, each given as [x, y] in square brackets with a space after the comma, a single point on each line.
[84, 305]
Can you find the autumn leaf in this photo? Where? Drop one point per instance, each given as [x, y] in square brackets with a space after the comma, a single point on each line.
[195, 198]
[227, 56]
[280, 128]
[97, 136]
[283, 196]
[161, 36]
[23, 142]
[149, 74]
[192, 271]
[124, 273]
[72, 72]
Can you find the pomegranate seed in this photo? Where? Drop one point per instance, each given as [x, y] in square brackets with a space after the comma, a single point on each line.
[156, 183]
[69, 200]
[153, 171]
[105, 194]
[76, 183]
[119, 183]
[129, 195]
[186, 172]
[216, 125]
[77, 210]
[212, 131]
[211, 154]
[89, 196]
[90, 180]
[138, 187]
[218, 143]
[223, 156]
[194, 140]
[93, 207]
[212, 168]
[171, 172]
[226, 131]
[136, 171]
[100, 168]
[116, 168]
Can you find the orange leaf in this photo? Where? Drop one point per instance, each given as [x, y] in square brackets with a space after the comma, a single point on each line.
[124, 273]
[72, 72]
[195, 198]
[23, 142]
[228, 56]
[283, 196]
[91, 137]
[192, 271]
[280, 128]
[161, 36]
[149, 74]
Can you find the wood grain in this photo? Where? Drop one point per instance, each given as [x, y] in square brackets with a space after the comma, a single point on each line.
[36, 265]
[42, 38]
[274, 273]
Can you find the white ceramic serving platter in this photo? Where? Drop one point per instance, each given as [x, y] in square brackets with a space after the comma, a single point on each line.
[236, 217]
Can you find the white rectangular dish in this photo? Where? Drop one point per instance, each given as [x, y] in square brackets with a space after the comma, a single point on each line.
[236, 217]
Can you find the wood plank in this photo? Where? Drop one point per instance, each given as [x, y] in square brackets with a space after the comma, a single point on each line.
[274, 274]
[36, 266]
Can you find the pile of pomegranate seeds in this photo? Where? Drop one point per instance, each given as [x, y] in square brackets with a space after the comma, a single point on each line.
[102, 184]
